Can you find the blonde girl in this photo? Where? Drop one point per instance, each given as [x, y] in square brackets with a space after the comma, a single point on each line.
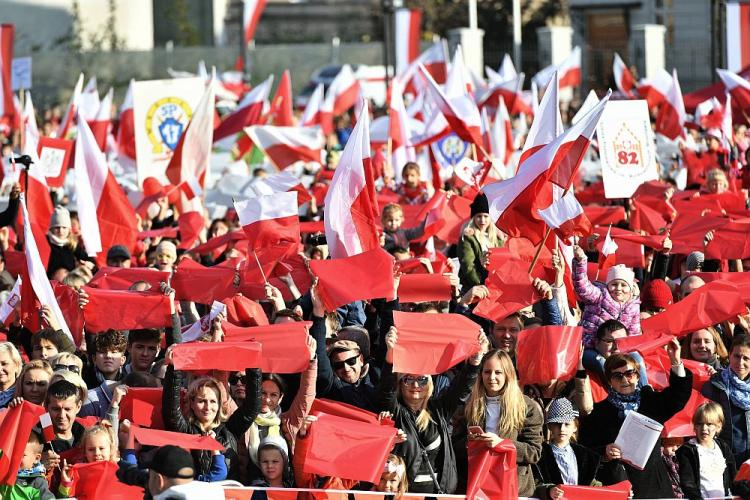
[393, 479]
[10, 369]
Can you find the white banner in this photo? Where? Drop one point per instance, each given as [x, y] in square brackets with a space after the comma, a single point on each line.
[161, 112]
[626, 148]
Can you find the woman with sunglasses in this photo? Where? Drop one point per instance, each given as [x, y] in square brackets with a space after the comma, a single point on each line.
[600, 428]
[427, 451]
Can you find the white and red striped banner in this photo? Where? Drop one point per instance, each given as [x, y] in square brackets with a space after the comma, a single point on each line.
[250, 16]
[7, 107]
[408, 23]
[738, 35]
[285, 146]
[269, 220]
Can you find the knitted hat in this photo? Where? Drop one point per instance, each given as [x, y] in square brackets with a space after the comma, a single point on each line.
[277, 442]
[715, 133]
[168, 248]
[60, 218]
[694, 261]
[480, 205]
[561, 411]
[656, 295]
[621, 272]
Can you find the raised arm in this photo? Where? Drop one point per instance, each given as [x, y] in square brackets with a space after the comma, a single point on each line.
[586, 290]
[305, 396]
[241, 420]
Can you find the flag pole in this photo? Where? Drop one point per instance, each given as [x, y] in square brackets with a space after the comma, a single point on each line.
[544, 240]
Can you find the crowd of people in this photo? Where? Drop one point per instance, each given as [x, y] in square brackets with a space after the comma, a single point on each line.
[563, 430]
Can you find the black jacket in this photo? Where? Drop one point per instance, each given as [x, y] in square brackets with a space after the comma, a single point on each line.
[602, 425]
[690, 477]
[441, 408]
[549, 473]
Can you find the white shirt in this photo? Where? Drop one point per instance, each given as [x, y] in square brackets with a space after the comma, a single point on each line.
[711, 465]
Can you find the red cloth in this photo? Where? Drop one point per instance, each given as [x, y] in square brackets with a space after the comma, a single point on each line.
[347, 449]
[424, 288]
[742, 280]
[433, 343]
[201, 284]
[154, 437]
[681, 424]
[346, 411]
[284, 347]
[15, 428]
[548, 353]
[142, 406]
[613, 492]
[220, 242]
[67, 299]
[120, 278]
[510, 290]
[492, 472]
[369, 275]
[688, 231]
[227, 356]
[730, 242]
[123, 310]
[190, 225]
[603, 216]
[455, 213]
[244, 312]
[99, 480]
[645, 218]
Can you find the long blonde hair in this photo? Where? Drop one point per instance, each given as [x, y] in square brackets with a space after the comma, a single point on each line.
[512, 403]
[424, 418]
[494, 238]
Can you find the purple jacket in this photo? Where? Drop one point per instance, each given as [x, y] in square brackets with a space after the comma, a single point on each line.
[599, 306]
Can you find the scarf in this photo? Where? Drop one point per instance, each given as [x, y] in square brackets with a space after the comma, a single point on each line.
[58, 242]
[271, 426]
[37, 470]
[674, 474]
[625, 403]
[738, 390]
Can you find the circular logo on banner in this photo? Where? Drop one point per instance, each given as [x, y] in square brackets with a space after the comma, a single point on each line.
[452, 149]
[166, 119]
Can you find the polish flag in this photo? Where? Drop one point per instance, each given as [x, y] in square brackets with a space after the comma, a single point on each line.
[40, 208]
[7, 308]
[507, 69]
[486, 133]
[7, 106]
[281, 104]
[270, 220]
[407, 23]
[126, 127]
[435, 125]
[36, 272]
[312, 114]
[502, 135]
[191, 221]
[99, 123]
[623, 77]
[192, 156]
[655, 89]
[351, 209]
[569, 70]
[398, 128]
[342, 94]
[250, 16]
[566, 218]
[106, 216]
[72, 110]
[90, 99]
[48, 432]
[738, 88]
[191, 188]
[248, 112]
[29, 119]
[588, 104]
[279, 183]
[515, 202]
[435, 61]
[285, 146]
[509, 91]
[670, 119]
[607, 255]
[547, 124]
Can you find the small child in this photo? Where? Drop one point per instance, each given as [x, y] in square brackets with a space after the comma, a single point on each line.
[707, 466]
[669, 447]
[99, 444]
[395, 236]
[412, 191]
[30, 481]
[393, 479]
[563, 461]
[273, 459]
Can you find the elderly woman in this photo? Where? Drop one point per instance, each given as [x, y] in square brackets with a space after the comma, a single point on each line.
[730, 388]
[601, 427]
[705, 345]
[10, 369]
[426, 419]
[479, 236]
[33, 381]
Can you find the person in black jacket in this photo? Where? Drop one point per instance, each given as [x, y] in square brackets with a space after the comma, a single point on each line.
[428, 453]
[707, 466]
[601, 427]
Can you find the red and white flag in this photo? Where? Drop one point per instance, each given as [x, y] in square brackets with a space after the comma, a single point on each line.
[351, 208]
[48, 432]
[40, 207]
[655, 89]
[486, 133]
[737, 35]
[192, 156]
[11, 301]
[99, 123]
[285, 146]
[565, 216]
[72, 110]
[623, 77]
[312, 114]
[281, 104]
[398, 129]
[670, 119]
[342, 94]
[270, 220]
[251, 13]
[29, 119]
[191, 188]
[37, 273]
[7, 106]
[407, 23]
[126, 127]
[507, 69]
[738, 88]
[248, 112]
[515, 202]
[607, 255]
[435, 61]
[90, 102]
[107, 218]
[569, 71]
[509, 91]
[502, 135]
[279, 183]
[588, 104]
[547, 124]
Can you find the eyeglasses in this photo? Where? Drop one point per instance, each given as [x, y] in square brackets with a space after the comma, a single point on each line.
[70, 368]
[235, 379]
[622, 375]
[409, 380]
[338, 365]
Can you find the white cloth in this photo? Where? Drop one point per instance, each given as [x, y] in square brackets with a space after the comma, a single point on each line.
[193, 490]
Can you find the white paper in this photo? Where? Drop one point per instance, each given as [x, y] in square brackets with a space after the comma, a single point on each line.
[637, 438]
[626, 148]
[51, 161]
[20, 73]
[203, 325]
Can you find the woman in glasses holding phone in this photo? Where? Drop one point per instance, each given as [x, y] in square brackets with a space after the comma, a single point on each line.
[428, 452]
[600, 428]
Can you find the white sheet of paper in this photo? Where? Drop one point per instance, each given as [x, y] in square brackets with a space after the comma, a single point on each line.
[637, 438]
[51, 161]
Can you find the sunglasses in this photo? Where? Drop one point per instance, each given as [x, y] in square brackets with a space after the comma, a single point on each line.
[234, 379]
[622, 375]
[70, 368]
[409, 380]
[338, 365]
